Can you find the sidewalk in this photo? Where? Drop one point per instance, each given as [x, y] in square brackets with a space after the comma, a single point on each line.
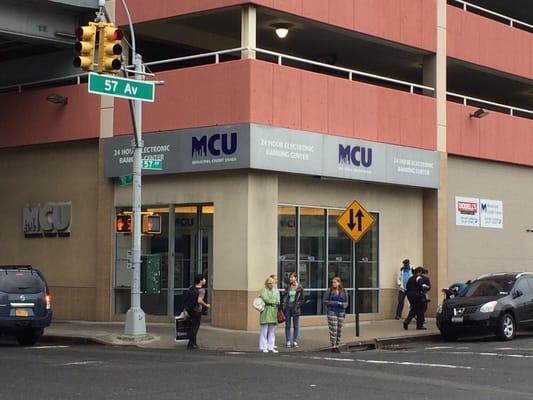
[161, 336]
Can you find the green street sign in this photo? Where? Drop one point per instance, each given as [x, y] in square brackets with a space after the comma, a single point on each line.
[125, 180]
[121, 87]
[156, 165]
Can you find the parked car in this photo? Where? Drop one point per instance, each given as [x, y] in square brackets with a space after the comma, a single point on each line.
[498, 303]
[25, 305]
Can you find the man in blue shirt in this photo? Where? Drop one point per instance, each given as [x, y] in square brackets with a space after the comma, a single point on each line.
[403, 277]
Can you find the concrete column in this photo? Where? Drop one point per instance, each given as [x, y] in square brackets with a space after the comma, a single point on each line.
[435, 201]
[245, 245]
[441, 75]
[262, 236]
[104, 241]
[248, 30]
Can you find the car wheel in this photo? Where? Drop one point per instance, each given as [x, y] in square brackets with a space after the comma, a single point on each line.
[449, 336]
[29, 337]
[507, 328]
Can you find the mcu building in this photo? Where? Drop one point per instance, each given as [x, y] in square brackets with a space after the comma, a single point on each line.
[421, 110]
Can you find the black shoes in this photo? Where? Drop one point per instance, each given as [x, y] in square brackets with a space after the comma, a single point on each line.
[335, 350]
[422, 328]
[193, 347]
[405, 325]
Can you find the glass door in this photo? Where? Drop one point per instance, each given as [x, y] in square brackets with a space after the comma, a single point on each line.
[193, 249]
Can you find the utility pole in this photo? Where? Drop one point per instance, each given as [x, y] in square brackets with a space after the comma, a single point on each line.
[135, 318]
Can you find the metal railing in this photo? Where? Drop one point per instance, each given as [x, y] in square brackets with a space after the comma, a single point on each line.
[280, 58]
[19, 86]
[349, 72]
[78, 77]
[510, 109]
[215, 54]
[515, 23]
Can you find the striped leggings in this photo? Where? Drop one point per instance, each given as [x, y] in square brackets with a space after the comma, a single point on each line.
[335, 321]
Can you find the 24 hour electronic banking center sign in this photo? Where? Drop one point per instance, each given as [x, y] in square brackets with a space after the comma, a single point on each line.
[253, 146]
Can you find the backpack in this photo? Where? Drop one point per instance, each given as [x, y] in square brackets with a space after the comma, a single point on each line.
[190, 299]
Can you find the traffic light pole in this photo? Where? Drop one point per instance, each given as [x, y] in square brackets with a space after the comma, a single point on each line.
[135, 318]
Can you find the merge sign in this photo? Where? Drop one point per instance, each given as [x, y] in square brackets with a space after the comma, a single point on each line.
[355, 221]
[121, 87]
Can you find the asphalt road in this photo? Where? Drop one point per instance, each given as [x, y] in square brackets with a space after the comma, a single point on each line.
[473, 369]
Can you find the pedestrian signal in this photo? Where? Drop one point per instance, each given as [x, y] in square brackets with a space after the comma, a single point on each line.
[85, 46]
[123, 224]
[152, 224]
[110, 49]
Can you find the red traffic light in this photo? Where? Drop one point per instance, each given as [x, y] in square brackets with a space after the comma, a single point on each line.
[123, 224]
[118, 34]
[152, 224]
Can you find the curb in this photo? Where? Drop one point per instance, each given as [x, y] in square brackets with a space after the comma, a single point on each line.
[382, 343]
[71, 340]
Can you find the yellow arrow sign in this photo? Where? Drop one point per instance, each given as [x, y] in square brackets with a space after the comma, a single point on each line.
[355, 221]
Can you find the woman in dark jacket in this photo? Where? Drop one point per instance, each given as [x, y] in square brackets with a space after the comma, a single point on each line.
[293, 300]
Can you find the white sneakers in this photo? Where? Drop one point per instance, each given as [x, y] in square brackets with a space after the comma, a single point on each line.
[289, 344]
[271, 351]
[295, 344]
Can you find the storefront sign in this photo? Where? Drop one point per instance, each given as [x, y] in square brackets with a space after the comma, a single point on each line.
[189, 150]
[466, 211]
[51, 219]
[276, 149]
[491, 213]
[472, 211]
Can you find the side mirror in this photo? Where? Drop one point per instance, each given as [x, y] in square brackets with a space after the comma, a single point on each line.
[517, 293]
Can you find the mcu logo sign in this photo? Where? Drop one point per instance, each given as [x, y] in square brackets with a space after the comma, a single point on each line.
[355, 155]
[214, 145]
[47, 220]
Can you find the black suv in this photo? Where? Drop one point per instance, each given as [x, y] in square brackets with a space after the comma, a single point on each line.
[25, 308]
[497, 303]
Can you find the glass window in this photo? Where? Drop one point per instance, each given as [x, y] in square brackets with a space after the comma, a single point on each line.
[523, 286]
[493, 286]
[312, 263]
[340, 261]
[184, 246]
[367, 258]
[287, 224]
[313, 303]
[155, 245]
[311, 244]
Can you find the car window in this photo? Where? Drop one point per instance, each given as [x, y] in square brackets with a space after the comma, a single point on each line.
[489, 287]
[530, 281]
[21, 282]
[523, 286]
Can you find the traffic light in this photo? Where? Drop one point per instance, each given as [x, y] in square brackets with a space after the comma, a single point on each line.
[85, 46]
[152, 224]
[123, 224]
[110, 49]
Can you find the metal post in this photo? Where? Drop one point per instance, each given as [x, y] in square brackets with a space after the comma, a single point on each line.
[135, 318]
[356, 291]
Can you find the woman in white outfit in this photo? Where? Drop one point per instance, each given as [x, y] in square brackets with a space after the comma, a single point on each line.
[269, 317]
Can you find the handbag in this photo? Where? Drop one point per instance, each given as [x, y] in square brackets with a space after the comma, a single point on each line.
[259, 304]
[281, 316]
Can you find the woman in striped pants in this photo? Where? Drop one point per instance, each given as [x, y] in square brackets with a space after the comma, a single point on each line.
[336, 301]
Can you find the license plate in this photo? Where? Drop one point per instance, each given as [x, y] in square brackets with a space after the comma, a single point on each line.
[21, 312]
[457, 319]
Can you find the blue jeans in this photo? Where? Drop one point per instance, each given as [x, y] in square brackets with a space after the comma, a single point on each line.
[295, 319]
